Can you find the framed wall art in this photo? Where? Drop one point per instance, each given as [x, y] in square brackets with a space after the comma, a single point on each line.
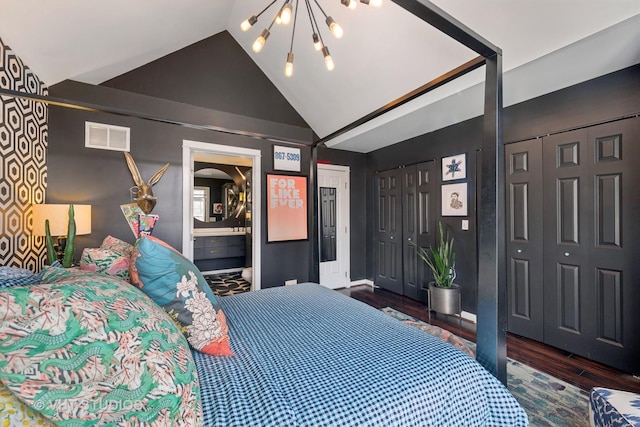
[455, 200]
[286, 158]
[454, 167]
[286, 208]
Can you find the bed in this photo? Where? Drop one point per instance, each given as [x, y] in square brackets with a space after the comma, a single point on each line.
[303, 355]
[306, 356]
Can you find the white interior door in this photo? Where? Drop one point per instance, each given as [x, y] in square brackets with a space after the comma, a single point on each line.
[333, 219]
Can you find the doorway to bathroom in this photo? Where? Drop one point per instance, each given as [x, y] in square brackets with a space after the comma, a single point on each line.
[221, 230]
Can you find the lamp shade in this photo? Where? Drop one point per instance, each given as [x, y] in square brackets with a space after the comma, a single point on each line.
[58, 216]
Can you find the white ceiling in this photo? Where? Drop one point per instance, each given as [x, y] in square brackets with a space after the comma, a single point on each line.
[385, 53]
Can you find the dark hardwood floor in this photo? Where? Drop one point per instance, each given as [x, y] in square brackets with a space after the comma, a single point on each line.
[571, 368]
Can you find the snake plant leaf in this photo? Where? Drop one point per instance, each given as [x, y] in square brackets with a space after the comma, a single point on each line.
[51, 251]
[69, 250]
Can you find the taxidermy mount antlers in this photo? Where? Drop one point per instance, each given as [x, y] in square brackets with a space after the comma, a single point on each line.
[146, 200]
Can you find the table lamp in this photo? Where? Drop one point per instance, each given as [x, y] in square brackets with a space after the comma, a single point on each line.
[58, 216]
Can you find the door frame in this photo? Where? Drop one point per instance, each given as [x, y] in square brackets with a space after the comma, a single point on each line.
[345, 245]
[190, 147]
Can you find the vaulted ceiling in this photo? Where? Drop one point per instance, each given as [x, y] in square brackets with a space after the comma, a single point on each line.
[547, 45]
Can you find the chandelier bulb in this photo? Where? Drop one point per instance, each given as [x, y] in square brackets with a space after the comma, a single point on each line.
[260, 41]
[328, 61]
[284, 17]
[248, 23]
[288, 68]
[317, 44]
[334, 27]
[351, 4]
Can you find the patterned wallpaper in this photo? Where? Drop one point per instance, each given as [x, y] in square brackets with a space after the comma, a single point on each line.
[23, 170]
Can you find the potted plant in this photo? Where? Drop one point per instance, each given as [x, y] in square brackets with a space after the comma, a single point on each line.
[443, 294]
[69, 247]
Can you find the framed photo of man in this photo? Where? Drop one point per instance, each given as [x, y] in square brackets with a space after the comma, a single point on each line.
[455, 199]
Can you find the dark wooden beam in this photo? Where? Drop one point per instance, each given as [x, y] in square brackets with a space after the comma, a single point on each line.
[492, 271]
[425, 88]
[86, 106]
[314, 229]
[438, 18]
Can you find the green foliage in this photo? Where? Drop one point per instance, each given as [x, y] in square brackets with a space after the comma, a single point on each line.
[441, 259]
[69, 250]
[51, 251]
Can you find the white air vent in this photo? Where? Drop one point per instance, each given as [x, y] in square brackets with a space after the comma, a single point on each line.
[106, 137]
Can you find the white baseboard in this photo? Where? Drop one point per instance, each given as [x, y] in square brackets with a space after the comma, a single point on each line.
[465, 315]
[468, 316]
[361, 282]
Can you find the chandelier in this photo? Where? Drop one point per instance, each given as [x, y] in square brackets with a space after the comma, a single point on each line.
[283, 17]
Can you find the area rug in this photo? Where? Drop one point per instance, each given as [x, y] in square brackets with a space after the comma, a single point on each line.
[547, 400]
[227, 283]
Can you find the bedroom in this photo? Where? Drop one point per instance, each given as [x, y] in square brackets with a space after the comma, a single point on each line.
[66, 135]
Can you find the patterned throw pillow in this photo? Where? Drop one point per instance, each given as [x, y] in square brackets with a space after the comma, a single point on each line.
[176, 284]
[88, 349]
[117, 245]
[105, 261]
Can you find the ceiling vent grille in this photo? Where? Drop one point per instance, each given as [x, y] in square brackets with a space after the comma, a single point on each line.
[106, 137]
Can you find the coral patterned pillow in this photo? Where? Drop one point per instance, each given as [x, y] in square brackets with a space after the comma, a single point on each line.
[176, 284]
[117, 245]
[89, 349]
[105, 261]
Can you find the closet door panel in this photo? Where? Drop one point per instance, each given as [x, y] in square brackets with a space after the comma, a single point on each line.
[615, 265]
[591, 268]
[426, 217]
[409, 231]
[388, 236]
[524, 238]
[567, 300]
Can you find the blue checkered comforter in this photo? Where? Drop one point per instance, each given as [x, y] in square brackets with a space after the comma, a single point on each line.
[309, 356]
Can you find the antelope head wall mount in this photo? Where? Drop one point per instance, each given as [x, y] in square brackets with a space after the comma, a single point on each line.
[145, 198]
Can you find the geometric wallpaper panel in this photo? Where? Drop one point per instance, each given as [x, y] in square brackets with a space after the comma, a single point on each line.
[23, 168]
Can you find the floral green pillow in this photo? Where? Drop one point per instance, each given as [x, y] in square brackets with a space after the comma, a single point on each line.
[85, 349]
[105, 261]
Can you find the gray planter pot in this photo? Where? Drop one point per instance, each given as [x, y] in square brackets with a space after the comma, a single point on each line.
[445, 300]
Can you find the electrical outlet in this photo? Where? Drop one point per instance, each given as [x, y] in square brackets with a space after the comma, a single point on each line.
[291, 282]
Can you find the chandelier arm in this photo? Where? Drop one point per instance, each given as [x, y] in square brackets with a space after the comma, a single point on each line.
[265, 9]
[273, 21]
[293, 31]
[312, 18]
[321, 9]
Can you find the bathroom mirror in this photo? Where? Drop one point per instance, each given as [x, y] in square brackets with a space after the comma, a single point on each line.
[218, 195]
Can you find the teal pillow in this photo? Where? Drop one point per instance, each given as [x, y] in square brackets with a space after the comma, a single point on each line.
[177, 285]
[85, 349]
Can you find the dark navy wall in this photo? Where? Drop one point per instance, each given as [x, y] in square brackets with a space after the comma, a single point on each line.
[357, 163]
[214, 73]
[602, 99]
[465, 137]
[102, 177]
